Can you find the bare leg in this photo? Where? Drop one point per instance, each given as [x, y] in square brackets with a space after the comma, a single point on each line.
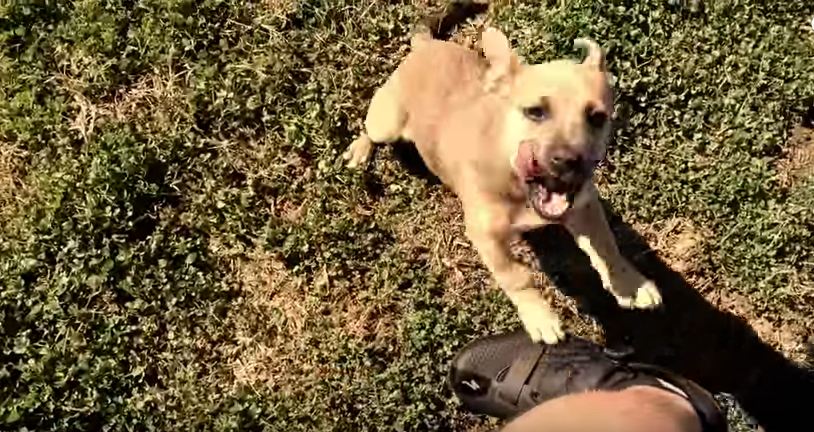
[488, 228]
[589, 227]
[636, 409]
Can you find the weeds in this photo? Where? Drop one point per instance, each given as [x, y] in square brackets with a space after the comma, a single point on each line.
[182, 249]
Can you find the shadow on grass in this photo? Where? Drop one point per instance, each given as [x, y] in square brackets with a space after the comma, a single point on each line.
[407, 155]
[690, 336]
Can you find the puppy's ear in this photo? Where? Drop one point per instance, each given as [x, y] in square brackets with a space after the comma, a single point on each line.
[503, 62]
[595, 56]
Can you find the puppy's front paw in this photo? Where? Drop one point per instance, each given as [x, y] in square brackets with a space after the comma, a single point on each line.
[541, 323]
[647, 297]
[358, 151]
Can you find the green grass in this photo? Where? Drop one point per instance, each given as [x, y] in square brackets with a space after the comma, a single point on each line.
[182, 249]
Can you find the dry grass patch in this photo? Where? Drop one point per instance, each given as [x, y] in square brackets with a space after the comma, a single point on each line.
[681, 244]
[435, 230]
[797, 163]
[276, 317]
[281, 8]
[276, 302]
[290, 211]
[11, 185]
[155, 102]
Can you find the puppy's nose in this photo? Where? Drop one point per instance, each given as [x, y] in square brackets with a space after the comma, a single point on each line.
[562, 165]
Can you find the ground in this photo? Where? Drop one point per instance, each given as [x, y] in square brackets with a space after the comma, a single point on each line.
[181, 247]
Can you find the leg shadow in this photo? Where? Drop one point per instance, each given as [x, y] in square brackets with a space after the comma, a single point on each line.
[690, 336]
[408, 156]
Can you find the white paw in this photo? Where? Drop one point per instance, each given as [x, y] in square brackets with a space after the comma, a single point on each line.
[647, 297]
[541, 323]
[358, 152]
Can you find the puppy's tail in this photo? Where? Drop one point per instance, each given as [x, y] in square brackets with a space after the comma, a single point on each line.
[440, 26]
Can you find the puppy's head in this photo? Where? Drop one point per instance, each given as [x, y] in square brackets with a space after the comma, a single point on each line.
[557, 120]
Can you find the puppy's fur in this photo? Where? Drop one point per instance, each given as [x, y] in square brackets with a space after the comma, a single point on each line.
[518, 144]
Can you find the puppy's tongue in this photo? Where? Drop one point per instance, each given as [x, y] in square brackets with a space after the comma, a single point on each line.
[553, 203]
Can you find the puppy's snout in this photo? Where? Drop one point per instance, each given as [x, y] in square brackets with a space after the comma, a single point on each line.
[571, 169]
[563, 165]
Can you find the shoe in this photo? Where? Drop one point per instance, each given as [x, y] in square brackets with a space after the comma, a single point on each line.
[506, 375]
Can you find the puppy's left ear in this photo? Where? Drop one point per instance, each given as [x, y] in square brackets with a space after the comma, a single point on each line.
[595, 56]
[504, 64]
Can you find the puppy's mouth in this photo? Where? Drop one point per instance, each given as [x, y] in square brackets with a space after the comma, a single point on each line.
[550, 197]
[551, 187]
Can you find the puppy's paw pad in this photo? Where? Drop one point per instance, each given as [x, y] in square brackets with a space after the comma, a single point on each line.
[647, 297]
[542, 325]
[358, 152]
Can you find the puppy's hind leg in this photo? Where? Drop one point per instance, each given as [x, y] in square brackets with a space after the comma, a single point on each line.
[384, 123]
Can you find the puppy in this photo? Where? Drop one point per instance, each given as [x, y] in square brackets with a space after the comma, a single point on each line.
[518, 144]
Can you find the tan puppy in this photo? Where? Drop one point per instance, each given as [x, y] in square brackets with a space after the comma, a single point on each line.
[517, 144]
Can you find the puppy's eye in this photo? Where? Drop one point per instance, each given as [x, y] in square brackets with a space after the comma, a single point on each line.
[535, 113]
[596, 118]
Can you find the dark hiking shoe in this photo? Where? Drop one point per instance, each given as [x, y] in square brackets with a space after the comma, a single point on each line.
[506, 375]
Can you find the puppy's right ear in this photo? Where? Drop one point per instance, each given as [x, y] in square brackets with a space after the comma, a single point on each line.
[596, 55]
[504, 64]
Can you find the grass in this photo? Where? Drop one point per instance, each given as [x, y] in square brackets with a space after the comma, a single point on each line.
[181, 247]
